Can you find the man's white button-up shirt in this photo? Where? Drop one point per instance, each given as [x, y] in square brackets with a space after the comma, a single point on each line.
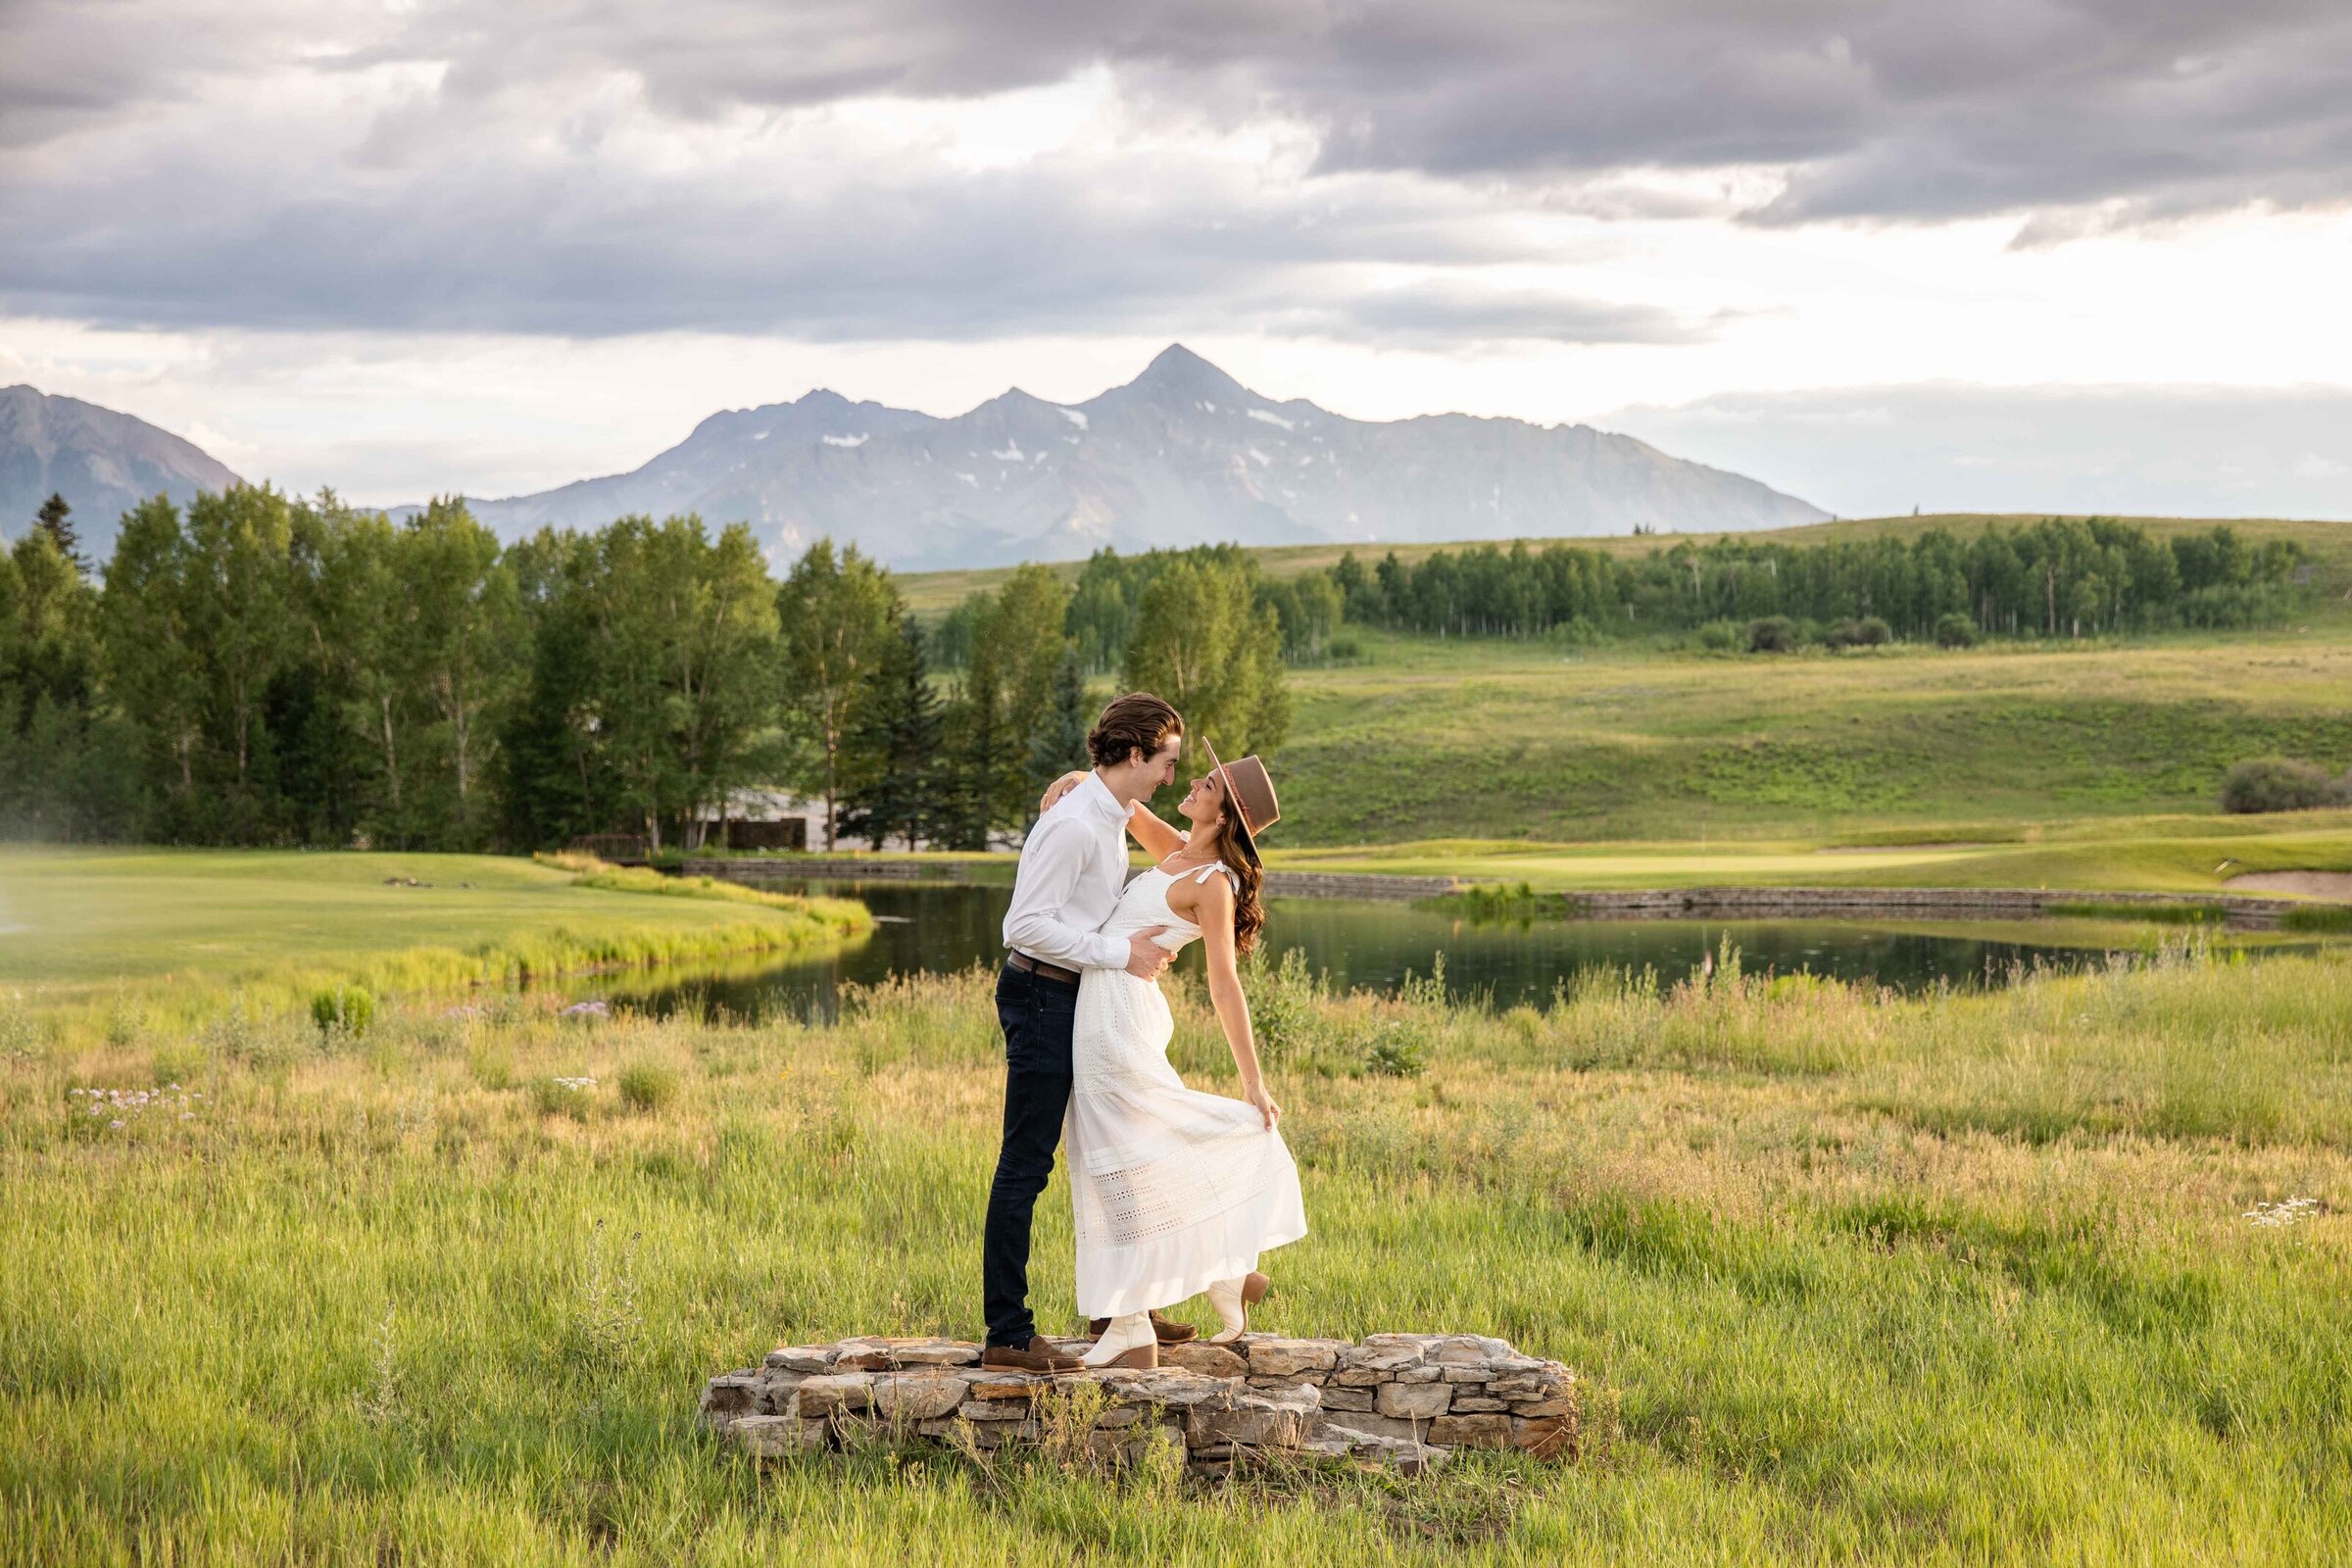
[1073, 867]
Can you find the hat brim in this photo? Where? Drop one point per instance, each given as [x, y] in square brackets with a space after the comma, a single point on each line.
[1242, 837]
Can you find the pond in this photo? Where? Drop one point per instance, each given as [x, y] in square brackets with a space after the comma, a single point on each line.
[1369, 945]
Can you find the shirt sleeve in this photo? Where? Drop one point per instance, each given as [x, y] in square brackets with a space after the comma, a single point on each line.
[1051, 862]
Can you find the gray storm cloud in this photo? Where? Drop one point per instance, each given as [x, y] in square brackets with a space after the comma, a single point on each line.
[1919, 108]
[154, 173]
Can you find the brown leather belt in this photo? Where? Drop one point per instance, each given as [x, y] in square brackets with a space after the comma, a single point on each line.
[1042, 969]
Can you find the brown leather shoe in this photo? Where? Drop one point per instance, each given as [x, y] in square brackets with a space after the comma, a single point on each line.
[1038, 1355]
[1166, 1332]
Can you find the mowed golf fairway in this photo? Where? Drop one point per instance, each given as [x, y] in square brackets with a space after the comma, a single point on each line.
[80, 918]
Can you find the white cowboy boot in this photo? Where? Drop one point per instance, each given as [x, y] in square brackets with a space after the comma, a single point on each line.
[1233, 1299]
[1128, 1342]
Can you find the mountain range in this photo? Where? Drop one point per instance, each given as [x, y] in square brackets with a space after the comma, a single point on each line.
[1181, 455]
[103, 463]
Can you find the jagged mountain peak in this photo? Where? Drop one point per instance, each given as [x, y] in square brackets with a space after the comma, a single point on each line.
[1178, 371]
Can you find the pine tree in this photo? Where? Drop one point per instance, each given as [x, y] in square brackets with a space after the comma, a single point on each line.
[899, 739]
[1057, 735]
[965, 795]
[55, 519]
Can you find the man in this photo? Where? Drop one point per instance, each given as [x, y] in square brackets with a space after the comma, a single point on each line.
[1073, 869]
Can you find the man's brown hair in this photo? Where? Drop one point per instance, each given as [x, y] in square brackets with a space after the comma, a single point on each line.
[1135, 722]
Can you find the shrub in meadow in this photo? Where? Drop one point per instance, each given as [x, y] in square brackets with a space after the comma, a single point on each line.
[1723, 637]
[1398, 1049]
[1869, 632]
[343, 1010]
[124, 1027]
[1954, 629]
[1774, 634]
[608, 1328]
[1285, 1007]
[648, 1086]
[2280, 784]
[22, 1038]
[1576, 633]
[178, 1062]
[565, 1096]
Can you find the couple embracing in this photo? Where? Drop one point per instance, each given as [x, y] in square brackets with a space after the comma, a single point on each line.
[1176, 1192]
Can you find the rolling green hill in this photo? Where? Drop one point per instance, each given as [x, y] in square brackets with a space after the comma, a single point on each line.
[1424, 738]
[1428, 739]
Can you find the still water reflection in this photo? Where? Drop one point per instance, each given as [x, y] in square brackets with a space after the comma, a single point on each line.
[1373, 946]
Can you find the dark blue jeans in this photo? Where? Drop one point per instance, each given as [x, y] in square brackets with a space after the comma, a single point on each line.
[1037, 1015]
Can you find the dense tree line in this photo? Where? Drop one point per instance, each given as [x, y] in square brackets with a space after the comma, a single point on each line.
[263, 669]
[1194, 626]
[2058, 578]
[1108, 598]
[2063, 577]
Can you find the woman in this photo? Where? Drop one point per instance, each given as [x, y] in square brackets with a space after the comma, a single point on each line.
[1178, 1192]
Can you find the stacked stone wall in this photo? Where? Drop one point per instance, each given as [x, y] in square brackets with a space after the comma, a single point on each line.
[1400, 1401]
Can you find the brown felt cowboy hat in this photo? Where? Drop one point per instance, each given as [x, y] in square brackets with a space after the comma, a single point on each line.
[1252, 793]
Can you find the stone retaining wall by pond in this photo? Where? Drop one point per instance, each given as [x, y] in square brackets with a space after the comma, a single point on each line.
[1925, 904]
[1399, 1401]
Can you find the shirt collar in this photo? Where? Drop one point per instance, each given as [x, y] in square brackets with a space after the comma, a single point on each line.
[1100, 800]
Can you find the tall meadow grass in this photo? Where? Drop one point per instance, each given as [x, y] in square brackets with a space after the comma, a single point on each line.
[1852, 1277]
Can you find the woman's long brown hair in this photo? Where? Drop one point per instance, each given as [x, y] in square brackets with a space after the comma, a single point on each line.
[1248, 910]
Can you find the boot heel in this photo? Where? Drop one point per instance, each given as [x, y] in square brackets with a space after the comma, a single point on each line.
[1144, 1357]
[1256, 1288]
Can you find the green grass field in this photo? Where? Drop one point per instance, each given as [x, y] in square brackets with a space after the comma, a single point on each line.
[1498, 740]
[180, 933]
[1487, 739]
[1851, 1279]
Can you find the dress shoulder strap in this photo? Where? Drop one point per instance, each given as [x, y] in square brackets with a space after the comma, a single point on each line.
[1218, 865]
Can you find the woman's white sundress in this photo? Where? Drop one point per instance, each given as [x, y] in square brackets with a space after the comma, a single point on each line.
[1173, 1189]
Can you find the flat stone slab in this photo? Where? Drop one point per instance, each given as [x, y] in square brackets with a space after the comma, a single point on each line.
[1397, 1401]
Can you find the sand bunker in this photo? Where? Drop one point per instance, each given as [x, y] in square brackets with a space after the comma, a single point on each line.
[2336, 885]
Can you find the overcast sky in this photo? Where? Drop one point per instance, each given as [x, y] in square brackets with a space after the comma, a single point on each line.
[2006, 255]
